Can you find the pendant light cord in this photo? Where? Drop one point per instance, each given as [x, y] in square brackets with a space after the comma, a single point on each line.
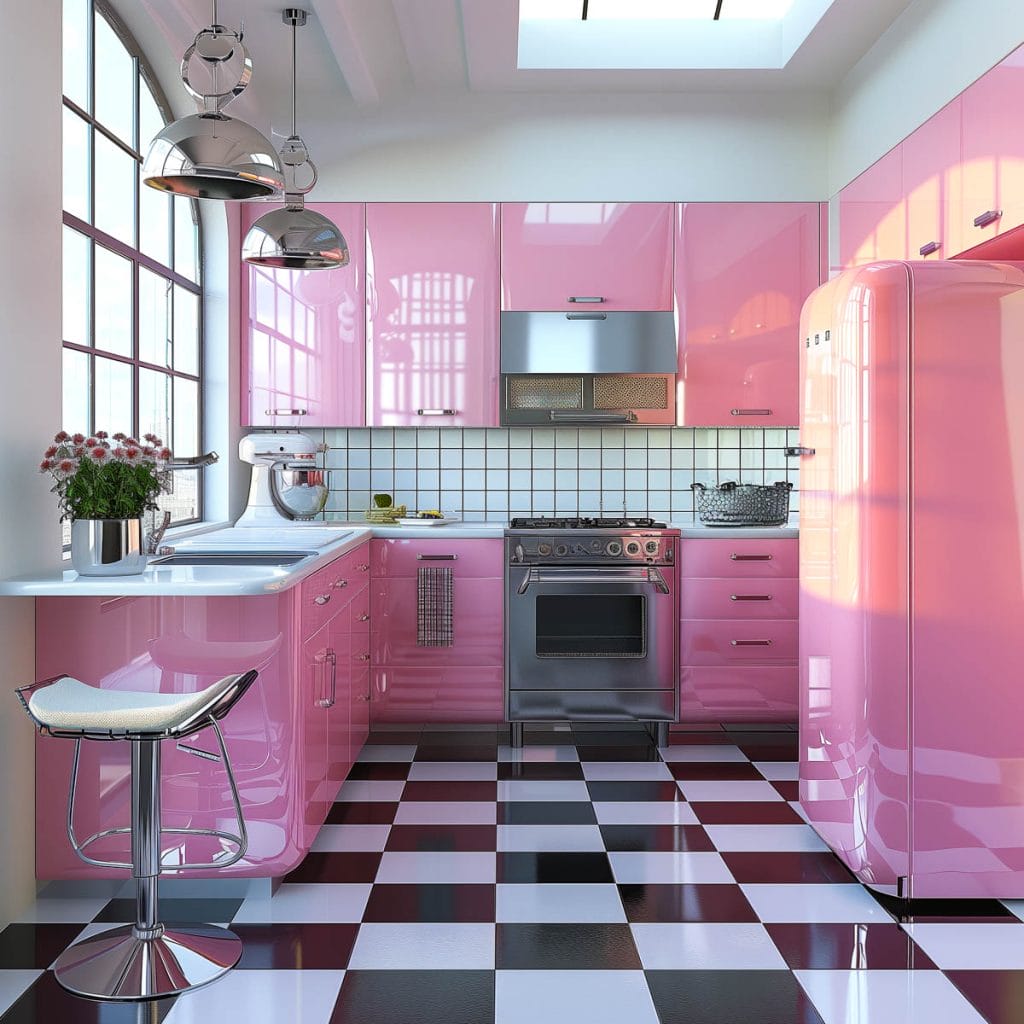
[294, 89]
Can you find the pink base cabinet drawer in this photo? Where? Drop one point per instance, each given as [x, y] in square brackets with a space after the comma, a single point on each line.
[747, 693]
[740, 557]
[328, 588]
[738, 641]
[445, 694]
[476, 558]
[740, 598]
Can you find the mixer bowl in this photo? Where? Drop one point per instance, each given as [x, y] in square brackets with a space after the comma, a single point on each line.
[298, 493]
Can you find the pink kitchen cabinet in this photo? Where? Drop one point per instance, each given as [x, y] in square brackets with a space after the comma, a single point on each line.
[432, 314]
[318, 666]
[742, 273]
[571, 256]
[873, 214]
[303, 335]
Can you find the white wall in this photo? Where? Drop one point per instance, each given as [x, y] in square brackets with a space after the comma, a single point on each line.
[930, 54]
[30, 343]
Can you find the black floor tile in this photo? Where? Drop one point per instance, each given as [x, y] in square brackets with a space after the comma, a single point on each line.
[45, 1002]
[434, 901]
[997, 995]
[546, 771]
[787, 867]
[974, 911]
[384, 771]
[457, 752]
[657, 838]
[565, 947]
[415, 997]
[634, 791]
[444, 791]
[625, 752]
[845, 947]
[788, 789]
[545, 812]
[746, 812]
[715, 771]
[294, 947]
[729, 997]
[554, 867]
[668, 904]
[173, 911]
[786, 750]
[397, 738]
[361, 812]
[442, 837]
[35, 946]
[336, 867]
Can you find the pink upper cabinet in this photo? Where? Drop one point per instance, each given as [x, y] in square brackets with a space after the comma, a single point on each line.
[303, 335]
[993, 152]
[568, 256]
[931, 185]
[873, 214]
[743, 271]
[432, 314]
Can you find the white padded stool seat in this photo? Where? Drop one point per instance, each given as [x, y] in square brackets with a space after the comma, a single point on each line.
[70, 705]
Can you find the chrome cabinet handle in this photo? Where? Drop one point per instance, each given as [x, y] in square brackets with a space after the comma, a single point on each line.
[586, 316]
[929, 247]
[363, 618]
[321, 599]
[437, 558]
[363, 657]
[750, 412]
[585, 298]
[362, 567]
[437, 412]
[287, 412]
[751, 643]
[340, 584]
[988, 217]
[798, 451]
[750, 558]
[327, 656]
[750, 597]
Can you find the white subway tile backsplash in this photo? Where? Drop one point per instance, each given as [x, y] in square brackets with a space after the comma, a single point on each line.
[495, 473]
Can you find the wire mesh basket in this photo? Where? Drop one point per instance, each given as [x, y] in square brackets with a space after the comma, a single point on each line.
[733, 504]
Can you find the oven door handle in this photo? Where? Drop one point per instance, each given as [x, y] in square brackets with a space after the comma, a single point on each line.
[647, 574]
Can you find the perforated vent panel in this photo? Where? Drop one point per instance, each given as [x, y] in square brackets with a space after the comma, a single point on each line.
[621, 391]
[536, 392]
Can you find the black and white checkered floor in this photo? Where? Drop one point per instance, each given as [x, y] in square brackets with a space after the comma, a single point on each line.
[589, 877]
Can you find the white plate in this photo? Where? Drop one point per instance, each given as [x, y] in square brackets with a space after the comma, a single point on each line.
[413, 521]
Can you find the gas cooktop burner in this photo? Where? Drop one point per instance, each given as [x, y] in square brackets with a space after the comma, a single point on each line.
[584, 523]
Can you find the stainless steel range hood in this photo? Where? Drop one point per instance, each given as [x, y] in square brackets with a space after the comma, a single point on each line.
[588, 367]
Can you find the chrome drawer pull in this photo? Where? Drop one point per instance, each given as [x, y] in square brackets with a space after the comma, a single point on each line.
[437, 558]
[750, 412]
[340, 584]
[287, 412]
[750, 597]
[585, 298]
[362, 618]
[321, 599]
[363, 657]
[437, 412]
[362, 567]
[751, 643]
[988, 217]
[929, 247]
[750, 558]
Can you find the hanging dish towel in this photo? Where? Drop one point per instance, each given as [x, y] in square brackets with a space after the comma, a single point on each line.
[434, 607]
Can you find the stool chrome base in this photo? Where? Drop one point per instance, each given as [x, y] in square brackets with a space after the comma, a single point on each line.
[116, 964]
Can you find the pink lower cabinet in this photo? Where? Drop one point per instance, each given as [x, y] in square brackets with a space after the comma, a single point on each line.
[738, 650]
[460, 679]
[292, 738]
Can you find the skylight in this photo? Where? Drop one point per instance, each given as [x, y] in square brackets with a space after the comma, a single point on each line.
[664, 34]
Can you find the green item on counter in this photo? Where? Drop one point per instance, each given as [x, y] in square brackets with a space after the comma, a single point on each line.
[383, 500]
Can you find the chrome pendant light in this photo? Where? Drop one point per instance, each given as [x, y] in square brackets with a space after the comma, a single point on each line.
[295, 238]
[210, 155]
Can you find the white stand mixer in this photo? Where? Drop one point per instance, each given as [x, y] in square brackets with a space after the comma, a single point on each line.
[287, 483]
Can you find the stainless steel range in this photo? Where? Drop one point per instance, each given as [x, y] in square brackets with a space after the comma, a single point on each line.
[591, 622]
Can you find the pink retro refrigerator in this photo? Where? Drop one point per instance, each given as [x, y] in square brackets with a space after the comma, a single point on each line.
[912, 575]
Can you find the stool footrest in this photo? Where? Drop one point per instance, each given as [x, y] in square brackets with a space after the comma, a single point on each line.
[230, 837]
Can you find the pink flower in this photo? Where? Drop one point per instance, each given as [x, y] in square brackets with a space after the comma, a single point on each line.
[153, 439]
[67, 465]
[91, 442]
[63, 435]
[76, 438]
[165, 454]
[131, 454]
[46, 465]
[130, 442]
[102, 434]
[51, 451]
[149, 451]
[120, 436]
[78, 451]
[119, 452]
[99, 454]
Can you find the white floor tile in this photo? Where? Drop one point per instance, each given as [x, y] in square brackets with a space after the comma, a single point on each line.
[660, 812]
[795, 804]
[554, 997]
[425, 947]
[561, 838]
[779, 771]
[261, 997]
[825, 902]
[706, 947]
[454, 812]
[625, 771]
[886, 997]
[703, 752]
[669, 868]
[556, 753]
[453, 771]
[583, 903]
[307, 902]
[57, 910]
[386, 752]
[350, 838]
[775, 838]
[428, 866]
[529, 789]
[972, 946]
[361, 790]
[702, 789]
[12, 984]
[1015, 907]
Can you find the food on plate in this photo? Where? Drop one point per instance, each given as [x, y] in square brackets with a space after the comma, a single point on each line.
[430, 513]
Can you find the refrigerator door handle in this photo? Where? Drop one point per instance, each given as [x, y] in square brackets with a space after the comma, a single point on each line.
[798, 451]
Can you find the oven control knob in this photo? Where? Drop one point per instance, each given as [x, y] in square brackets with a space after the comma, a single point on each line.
[595, 546]
[651, 547]
[614, 548]
[543, 548]
[561, 550]
[632, 547]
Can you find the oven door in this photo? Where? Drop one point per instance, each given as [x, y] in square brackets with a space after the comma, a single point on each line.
[592, 642]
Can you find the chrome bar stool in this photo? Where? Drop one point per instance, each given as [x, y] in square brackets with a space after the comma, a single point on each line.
[147, 959]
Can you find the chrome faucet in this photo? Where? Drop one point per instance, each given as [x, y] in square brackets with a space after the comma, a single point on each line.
[156, 535]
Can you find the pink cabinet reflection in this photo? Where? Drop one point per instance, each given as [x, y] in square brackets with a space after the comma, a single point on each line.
[557, 256]
[303, 349]
[432, 314]
[873, 214]
[743, 271]
[932, 186]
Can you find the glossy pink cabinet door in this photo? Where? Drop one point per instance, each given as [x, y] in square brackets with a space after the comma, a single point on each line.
[315, 683]
[617, 254]
[873, 214]
[743, 271]
[450, 693]
[738, 693]
[303, 348]
[432, 314]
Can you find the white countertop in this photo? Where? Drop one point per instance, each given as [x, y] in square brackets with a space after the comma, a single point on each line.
[324, 540]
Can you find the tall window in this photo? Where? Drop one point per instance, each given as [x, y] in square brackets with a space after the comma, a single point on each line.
[132, 294]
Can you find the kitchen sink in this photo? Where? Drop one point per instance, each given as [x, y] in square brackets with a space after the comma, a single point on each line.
[227, 558]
